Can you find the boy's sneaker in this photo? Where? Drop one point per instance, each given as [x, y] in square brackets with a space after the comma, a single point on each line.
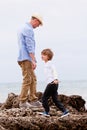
[66, 113]
[44, 113]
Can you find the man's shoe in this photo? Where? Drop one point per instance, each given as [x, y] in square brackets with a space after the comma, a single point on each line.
[44, 113]
[25, 105]
[66, 113]
[36, 103]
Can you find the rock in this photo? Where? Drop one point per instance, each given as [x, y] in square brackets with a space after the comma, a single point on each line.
[14, 118]
[1, 128]
[77, 102]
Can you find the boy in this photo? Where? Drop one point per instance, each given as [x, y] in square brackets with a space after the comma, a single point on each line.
[52, 84]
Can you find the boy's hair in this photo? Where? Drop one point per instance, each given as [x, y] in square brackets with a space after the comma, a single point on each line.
[48, 52]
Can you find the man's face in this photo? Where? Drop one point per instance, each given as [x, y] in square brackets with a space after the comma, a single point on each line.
[36, 23]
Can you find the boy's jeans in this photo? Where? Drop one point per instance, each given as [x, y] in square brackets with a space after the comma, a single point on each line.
[29, 81]
[51, 91]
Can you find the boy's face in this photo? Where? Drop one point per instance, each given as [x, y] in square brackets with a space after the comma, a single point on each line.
[44, 57]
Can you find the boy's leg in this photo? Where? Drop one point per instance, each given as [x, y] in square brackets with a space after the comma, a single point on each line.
[45, 98]
[55, 98]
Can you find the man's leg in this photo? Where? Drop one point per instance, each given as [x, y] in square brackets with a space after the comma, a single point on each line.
[32, 95]
[26, 80]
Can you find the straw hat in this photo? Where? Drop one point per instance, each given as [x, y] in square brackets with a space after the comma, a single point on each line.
[37, 16]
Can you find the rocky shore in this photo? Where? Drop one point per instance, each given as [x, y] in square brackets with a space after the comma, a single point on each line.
[14, 118]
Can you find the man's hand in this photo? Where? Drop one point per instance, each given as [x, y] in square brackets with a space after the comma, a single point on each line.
[34, 65]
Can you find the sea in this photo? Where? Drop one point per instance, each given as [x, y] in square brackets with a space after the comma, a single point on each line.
[65, 87]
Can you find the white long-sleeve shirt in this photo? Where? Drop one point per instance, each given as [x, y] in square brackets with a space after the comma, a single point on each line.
[50, 72]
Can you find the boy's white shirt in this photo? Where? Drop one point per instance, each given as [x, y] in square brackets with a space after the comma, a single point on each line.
[50, 72]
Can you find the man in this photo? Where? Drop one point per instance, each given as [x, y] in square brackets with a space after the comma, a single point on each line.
[27, 60]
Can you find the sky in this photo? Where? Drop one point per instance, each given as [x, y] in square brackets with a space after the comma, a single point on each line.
[64, 31]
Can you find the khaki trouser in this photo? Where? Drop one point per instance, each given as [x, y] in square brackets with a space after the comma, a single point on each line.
[29, 81]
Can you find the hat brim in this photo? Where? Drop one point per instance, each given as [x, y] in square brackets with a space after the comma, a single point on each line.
[38, 18]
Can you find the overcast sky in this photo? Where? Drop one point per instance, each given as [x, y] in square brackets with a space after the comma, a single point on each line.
[64, 31]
